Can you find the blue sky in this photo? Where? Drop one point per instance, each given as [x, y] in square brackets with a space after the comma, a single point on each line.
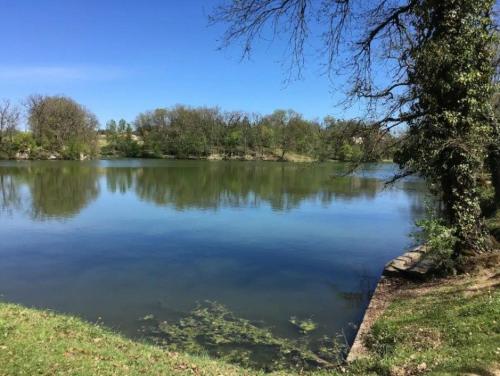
[119, 58]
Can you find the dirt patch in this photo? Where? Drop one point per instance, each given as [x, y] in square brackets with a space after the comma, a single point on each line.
[470, 284]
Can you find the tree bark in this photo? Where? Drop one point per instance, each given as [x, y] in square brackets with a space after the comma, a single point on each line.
[494, 162]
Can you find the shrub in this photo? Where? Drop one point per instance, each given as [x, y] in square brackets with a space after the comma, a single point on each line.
[439, 239]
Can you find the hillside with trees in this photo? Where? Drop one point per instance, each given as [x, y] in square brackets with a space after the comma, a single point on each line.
[60, 128]
[186, 132]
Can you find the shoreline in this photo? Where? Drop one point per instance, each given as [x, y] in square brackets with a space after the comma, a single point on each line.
[300, 159]
[408, 276]
[398, 273]
[296, 158]
[413, 333]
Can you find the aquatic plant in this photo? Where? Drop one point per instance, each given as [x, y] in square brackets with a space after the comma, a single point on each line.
[305, 326]
[212, 329]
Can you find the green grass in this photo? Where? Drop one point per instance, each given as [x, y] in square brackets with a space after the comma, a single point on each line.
[445, 331]
[34, 342]
[448, 329]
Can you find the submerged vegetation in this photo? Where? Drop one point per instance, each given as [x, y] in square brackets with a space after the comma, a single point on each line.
[212, 329]
[36, 342]
[439, 328]
[305, 326]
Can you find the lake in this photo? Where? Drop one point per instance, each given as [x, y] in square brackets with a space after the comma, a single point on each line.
[114, 241]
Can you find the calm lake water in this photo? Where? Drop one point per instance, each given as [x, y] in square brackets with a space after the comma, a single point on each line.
[119, 240]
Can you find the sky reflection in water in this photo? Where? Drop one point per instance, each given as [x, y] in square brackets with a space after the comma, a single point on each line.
[122, 239]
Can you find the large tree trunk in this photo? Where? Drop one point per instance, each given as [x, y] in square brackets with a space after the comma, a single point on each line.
[494, 164]
[461, 202]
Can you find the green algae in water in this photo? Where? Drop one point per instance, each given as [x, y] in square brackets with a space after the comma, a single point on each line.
[212, 329]
[148, 317]
[305, 326]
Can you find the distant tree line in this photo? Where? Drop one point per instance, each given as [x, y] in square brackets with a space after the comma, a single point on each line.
[60, 128]
[185, 132]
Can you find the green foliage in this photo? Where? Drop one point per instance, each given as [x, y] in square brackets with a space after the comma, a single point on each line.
[493, 160]
[350, 153]
[23, 141]
[355, 141]
[440, 240]
[198, 132]
[121, 140]
[345, 152]
[19, 145]
[449, 132]
[487, 200]
[493, 224]
[438, 237]
[62, 127]
[5, 153]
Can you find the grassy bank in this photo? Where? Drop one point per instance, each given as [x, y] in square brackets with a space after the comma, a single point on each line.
[447, 327]
[36, 342]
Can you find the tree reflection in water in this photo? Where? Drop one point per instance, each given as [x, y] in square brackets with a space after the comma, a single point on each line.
[62, 189]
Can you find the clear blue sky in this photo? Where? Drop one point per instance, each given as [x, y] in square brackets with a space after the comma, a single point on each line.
[121, 57]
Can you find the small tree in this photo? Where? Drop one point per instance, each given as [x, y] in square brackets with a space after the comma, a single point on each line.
[120, 139]
[61, 125]
[9, 121]
[111, 132]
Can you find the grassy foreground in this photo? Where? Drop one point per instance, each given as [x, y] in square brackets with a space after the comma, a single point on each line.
[34, 342]
[449, 327]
